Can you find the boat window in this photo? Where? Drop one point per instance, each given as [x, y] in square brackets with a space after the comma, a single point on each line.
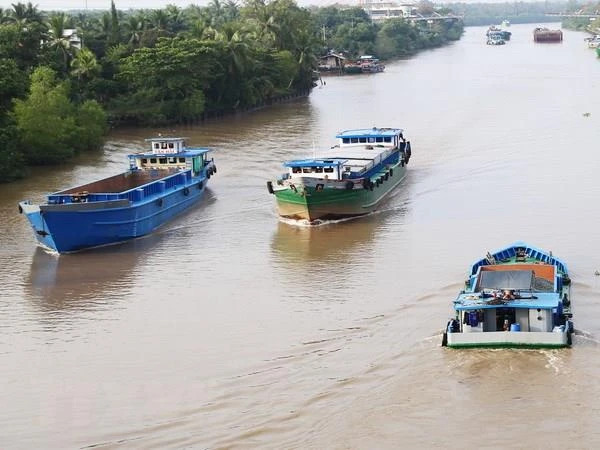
[354, 140]
[346, 140]
[379, 139]
[371, 140]
[156, 145]
[296, 169]
[171, 145]
[173, 160]
[181, 160]
[152, 160]
[144, 160]
[328, 169]
[162, 160]
[163, 145]
[387, 139]
[318, 169]
[363, 140]
[307, 170]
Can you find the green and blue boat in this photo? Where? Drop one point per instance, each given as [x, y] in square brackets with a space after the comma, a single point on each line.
[351, 179]
[517, 297]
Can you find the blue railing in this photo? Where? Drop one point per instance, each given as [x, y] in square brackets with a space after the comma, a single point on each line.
[134, 195]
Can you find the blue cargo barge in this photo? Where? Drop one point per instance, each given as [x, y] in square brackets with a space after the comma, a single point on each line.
[517, 297]
[159, 184]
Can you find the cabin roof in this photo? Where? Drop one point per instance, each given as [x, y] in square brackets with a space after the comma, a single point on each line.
[188, 152]
[314, 163]
[369, 132]
[530, 300]
[165, 139]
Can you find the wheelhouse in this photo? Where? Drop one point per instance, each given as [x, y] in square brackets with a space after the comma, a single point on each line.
[170, 154]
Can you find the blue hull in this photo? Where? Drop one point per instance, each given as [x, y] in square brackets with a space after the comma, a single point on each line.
[65, 230]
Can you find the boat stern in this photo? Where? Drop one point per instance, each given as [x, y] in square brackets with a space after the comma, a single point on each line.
[511, 339]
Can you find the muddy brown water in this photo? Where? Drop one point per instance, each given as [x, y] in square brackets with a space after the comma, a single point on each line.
[231, 329]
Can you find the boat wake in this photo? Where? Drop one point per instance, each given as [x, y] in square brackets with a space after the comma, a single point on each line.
[305, 223]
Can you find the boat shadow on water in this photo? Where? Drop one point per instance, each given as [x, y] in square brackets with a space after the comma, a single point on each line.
[87, 280]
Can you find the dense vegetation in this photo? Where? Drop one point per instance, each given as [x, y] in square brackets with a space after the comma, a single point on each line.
[167, 65]
[351, 31]
[515, 12]
[591, 25]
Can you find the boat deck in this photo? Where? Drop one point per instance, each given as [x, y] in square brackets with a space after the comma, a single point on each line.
[121, 182]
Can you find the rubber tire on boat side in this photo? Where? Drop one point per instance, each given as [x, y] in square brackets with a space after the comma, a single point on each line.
[569, 338]
[445, 339]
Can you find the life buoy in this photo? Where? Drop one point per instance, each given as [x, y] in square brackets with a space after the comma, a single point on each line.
[186, 191]
[270, 187]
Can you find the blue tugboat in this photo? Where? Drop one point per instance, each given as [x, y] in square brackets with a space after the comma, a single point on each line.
[516, 297]
[159, 184]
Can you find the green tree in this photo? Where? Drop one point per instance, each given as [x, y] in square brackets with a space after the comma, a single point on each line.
[49, 124]
[166, 81]
[115, 28]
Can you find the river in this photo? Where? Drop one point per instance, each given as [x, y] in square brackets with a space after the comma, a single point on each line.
[231, 329]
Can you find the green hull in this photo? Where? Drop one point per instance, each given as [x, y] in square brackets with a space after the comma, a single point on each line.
[311, 204]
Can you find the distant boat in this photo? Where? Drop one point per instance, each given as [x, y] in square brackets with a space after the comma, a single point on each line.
[546, 35]
[516, 297]
[159, 184]
[505, 24]
[370, 64]
[351, 179]
[495, 32]
[594, 41]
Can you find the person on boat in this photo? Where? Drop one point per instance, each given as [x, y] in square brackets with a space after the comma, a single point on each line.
[509, 294]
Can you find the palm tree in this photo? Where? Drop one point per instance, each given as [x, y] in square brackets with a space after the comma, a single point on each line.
[175, 18]
[59, 22]
[4, 16]
[134, 29]
[84, 65]
[159, 20]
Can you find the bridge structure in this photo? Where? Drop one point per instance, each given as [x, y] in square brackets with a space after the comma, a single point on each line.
[574, 14]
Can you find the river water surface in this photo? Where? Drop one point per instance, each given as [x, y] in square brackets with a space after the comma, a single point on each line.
[229, 328]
